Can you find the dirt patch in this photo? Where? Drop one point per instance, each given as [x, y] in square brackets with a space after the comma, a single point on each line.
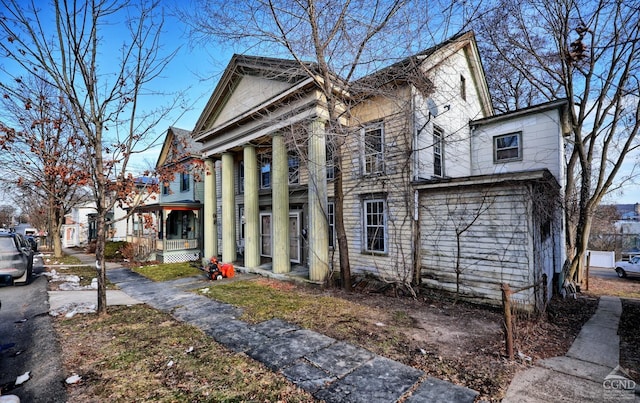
[464, 343]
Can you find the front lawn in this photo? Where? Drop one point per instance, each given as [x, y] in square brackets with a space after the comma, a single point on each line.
[167, 271]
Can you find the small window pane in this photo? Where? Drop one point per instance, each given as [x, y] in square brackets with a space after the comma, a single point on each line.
[294, 169]
[507, 147]
[265, 172]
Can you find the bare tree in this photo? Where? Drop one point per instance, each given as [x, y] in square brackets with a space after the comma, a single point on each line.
[6, 216]
[588, 52]
[64, 43]
[44, 167]
[335, 42]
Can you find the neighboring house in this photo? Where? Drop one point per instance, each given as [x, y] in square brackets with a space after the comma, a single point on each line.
[170, 230]
[76, 228]
[118, 222]
[628, 229]
[436, 188]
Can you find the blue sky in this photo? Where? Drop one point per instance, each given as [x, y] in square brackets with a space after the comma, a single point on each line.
[196, 71]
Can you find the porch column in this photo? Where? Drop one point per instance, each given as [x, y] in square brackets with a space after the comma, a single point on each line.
[251, 209]
[280, 196]
[228, 210]
[210, 236]
[318, 225]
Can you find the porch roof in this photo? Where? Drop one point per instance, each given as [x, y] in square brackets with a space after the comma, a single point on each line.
[186, 205]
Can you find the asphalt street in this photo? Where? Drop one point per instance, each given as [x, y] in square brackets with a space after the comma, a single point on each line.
[28, 343]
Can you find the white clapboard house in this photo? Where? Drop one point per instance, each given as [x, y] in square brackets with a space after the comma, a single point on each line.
[437, 189]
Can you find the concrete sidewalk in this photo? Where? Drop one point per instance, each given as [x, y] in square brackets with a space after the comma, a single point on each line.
[335, 371]
[329, 369]
[589, 372]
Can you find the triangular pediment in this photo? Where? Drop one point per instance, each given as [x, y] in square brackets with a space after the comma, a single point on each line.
[249, 93]
[248, 85]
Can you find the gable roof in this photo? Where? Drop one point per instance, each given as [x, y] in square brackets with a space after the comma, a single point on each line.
[287, 72]
[178, 146]
[409, 69]
[252, 85]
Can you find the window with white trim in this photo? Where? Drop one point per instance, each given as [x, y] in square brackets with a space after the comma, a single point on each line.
[375, 225]
[507, 147]
[438, 151]
[373, 149]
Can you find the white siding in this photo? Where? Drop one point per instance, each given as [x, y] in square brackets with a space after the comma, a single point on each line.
[454, 114]
[495, 246]
[541, 145]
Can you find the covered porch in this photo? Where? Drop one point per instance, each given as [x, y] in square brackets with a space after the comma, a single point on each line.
[167, 232]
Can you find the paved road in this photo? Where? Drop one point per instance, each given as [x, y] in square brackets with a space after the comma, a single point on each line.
[610, 274]
[602, 272]
[29, 346]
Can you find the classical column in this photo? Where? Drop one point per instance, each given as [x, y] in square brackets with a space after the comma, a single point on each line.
[210, 236]
[318, 233]
[251, 209]
[280, 196]
[228, 210]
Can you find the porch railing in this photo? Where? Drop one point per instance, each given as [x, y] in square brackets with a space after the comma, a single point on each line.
[169, 245]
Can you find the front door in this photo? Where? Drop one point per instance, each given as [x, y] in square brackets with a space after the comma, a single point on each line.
[294, 236]
[266, 235]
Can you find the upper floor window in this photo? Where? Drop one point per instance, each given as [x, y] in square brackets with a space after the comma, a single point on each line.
[375, 225]
[463, 88]
[294, 168]
[241, 177]
[185, 180]
[165, 188]
[265, 171]
[331, 164]
[373, 149]
[438, 151]
[507, 147]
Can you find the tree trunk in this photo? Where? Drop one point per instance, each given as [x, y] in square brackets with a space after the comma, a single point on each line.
[100, 264]
[343, 246]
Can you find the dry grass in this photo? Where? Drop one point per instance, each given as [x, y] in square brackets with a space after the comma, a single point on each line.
[140, 354]
[125, 356]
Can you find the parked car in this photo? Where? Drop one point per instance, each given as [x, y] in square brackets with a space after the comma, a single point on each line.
[623, 268]
[32, 242]
[16, 257]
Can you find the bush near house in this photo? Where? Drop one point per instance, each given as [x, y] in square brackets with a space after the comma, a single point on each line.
[113, 250]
